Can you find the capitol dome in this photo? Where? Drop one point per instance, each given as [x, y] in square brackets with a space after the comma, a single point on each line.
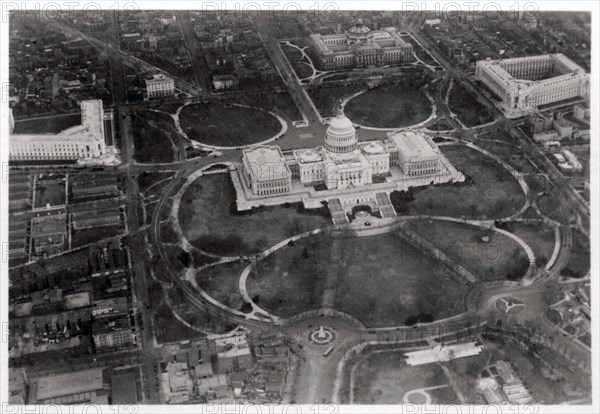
[341, 135]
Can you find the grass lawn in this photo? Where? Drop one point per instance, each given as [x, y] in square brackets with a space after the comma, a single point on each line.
[493, 192]
[384, 378]
[579, 261]
[170, 329]
[222, 281]
[208, 221]
[286, 283]
[391, 106]
[383, 281]
[326, 98]
[380, 280]
[490, 260]
[294, 56]
[538, 236]
[52, 125]
[52, 193]
[151, 142]
[466, 106]
[272, 100]
[93, 235]
[147, 179]
[214, 124]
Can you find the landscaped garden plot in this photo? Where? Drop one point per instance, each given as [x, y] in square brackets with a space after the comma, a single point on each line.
[222, 282]
[209, 219]
[292, 279]
[495, 258]
[326, 98]
[50, 191]
[221, 125]
[380, 280]
[490, 190]
[49, 125]
[466, 106]
[538, 236]
[391, 106]
[385, 378]
[153, 137]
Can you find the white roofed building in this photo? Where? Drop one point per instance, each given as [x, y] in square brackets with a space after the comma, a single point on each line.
[82, 141]
[416, 153]
[266, 171]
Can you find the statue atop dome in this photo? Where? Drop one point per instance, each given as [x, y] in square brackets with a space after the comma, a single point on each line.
[339, 110]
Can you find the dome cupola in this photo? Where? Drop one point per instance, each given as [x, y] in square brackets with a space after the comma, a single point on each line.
[341, 135]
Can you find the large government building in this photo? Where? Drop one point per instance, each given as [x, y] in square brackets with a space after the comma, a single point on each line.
[525, 83]
[84, 141]
[342, 167]
[360, 46]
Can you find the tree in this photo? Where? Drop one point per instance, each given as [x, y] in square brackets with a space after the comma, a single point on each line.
[305, 254]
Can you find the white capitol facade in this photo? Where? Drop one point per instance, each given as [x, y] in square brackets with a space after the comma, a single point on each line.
[342, 168]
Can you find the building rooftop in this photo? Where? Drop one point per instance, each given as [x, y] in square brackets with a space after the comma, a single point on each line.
[414, 144]
[232, 346]
[266, 163]
[71, 383]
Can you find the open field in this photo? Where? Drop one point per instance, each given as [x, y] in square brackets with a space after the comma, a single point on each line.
[209, 220]
[466, 106]
[50, 193]
[221, 282]
[50, 125]
[379, 280]
[492, 260]
[390, 106]
[223, 125]
[384, 378]
[490, 190]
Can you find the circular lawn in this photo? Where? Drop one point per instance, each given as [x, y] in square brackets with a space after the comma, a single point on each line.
[227, 125]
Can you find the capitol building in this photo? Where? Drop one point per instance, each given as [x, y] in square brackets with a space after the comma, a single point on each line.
[343, 168]
[360, 47]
